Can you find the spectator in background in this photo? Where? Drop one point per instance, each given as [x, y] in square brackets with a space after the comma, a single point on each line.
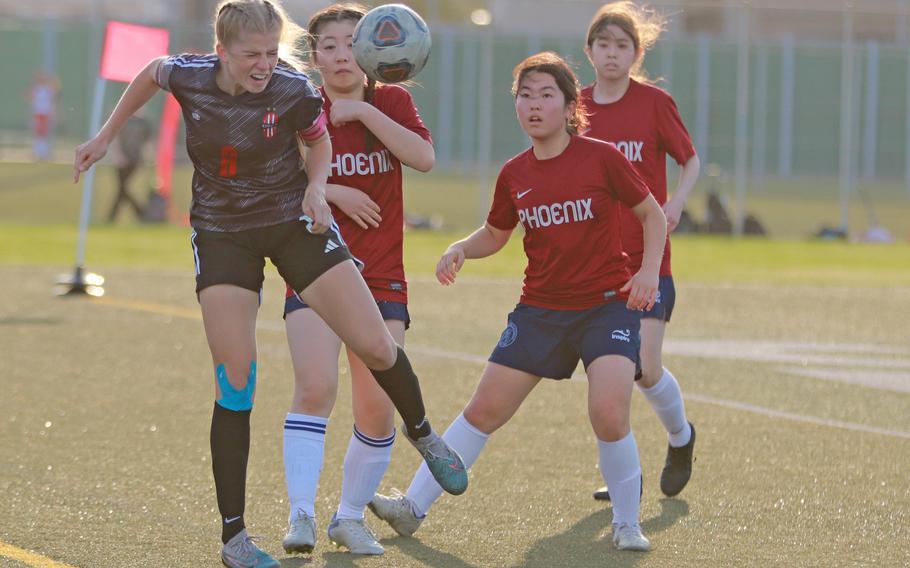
[42, 100]
[128, 148]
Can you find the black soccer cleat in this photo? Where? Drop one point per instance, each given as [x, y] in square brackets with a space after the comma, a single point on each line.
[678, 467]
[603, 494]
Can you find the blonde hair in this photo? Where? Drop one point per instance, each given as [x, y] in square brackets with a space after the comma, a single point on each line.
[259, 16]
[642, 23]
[555, 66]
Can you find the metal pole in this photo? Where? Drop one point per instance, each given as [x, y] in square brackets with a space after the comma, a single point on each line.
[787, 96]
[846, 118]
[446, 97]
[870, 112]
[88, 179]
[49, 46]
[742, 118]
[907, 126]
[485, 125]
[468, 101]
[760, 120]
[703, 96]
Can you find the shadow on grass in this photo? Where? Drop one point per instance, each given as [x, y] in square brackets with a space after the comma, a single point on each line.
[424, 554]
[296, 561]
[588, 542]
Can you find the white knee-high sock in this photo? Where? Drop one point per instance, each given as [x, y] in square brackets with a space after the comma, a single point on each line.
[365, 463]
[621, 470]
[304, 447]
[666, 399]
[465, 439]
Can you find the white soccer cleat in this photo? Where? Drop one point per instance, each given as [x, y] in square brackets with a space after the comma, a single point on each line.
[629, 537]
[301, 537]
[355, 535]
[397, 511]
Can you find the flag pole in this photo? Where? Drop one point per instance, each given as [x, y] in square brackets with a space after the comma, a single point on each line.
[82, 283]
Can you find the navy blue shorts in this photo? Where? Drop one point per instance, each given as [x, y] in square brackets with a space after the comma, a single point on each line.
[549, 343]
[389, 310]
[666, 299]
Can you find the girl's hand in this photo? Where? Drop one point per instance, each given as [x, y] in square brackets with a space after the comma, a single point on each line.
[449, 265]
[358, 206]
[87, 154]
[346, 110]
[642, 288]
[317, 209]
[673, 211]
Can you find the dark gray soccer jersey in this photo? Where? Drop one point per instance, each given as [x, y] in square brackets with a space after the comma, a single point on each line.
[244, 148]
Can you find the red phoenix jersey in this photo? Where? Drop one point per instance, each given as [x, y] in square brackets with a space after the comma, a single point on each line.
[645, 126]
[361, 161]
[569, 207]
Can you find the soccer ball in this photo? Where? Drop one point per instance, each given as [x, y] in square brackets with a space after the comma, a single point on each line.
[391, 43]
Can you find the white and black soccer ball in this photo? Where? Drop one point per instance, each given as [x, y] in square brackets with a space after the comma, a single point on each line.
[391, 43]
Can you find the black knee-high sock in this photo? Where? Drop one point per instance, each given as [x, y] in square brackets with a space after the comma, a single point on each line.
[402, 386]
[230, 449]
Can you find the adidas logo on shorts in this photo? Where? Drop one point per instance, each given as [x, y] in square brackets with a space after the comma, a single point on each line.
[330, 245]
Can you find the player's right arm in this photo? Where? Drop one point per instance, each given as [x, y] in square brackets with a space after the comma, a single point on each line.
[485, 241]
[142, 88]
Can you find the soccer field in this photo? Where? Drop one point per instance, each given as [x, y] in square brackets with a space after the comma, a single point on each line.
[793, 358]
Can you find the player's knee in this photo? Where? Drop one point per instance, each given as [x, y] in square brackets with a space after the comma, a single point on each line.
[237, 389]
[375, 420]
[610, 421]
[315, 394]
[483, 416]
[378, 353]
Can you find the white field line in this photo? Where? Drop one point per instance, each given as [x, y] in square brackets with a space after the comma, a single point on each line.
[163, 309]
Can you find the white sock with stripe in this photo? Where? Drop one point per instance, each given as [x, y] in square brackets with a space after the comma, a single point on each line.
[665, 397]
[365, 463]
[621, 470]
[462, 437]
[304, 447]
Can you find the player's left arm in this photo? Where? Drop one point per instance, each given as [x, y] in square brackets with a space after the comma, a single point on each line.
[642, 287]
[674, 206]
[675, 140]
[318, 158]
[405, 144]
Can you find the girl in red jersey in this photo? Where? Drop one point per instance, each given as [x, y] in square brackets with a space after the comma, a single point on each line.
[374, 130]
[642, 121]
[579, 301]
[245, 111]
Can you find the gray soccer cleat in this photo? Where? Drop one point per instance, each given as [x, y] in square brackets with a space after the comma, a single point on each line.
[629, 537]
[443, 462]
[397, 511]
[242, 552]
[301, 537]
[355, 535]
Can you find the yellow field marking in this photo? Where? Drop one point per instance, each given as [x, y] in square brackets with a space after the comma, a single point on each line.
[160, 309]
[28, 557]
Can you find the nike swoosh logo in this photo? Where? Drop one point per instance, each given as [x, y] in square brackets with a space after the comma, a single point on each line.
[231, 520]
[523, 193]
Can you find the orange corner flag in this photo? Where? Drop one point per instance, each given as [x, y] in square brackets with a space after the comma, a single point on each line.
[128, 48]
